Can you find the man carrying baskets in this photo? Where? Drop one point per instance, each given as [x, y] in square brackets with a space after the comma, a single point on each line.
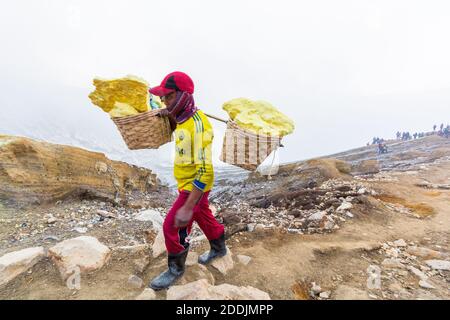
[194, 173]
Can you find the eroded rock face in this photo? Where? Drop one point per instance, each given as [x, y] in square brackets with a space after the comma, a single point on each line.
[84, 253]
[202, 290]
[33, 172]
[15, 263]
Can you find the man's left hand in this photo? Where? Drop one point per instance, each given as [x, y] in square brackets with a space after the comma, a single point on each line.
[183, 216]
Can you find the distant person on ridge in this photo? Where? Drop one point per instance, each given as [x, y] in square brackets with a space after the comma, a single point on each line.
[194, 173]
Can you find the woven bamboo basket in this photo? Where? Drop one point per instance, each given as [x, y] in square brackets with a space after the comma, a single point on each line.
[145, 130]
[246, 149]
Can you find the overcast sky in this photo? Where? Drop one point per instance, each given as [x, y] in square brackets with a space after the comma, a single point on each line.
[345, 71]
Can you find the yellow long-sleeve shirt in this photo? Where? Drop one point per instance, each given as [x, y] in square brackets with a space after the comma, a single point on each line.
[193, 156]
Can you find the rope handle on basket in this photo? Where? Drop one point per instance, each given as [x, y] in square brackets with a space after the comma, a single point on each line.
[224, 121]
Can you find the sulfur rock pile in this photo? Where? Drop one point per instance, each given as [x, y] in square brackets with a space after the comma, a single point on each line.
[258, 117]
[122, 96]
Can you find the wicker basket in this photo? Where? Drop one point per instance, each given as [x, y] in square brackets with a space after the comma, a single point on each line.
[145, 130]
[246, 149]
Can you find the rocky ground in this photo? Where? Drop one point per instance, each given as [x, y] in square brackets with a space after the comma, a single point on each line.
[355, 226]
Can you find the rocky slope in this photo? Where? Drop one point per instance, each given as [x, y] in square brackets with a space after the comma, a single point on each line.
[362, 226]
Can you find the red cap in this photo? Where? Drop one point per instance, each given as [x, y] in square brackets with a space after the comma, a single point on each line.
[174, 81]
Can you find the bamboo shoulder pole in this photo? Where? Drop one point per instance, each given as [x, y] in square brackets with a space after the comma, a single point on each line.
[214, 117]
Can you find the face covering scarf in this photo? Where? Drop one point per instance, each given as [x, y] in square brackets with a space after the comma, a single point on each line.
[183, 107]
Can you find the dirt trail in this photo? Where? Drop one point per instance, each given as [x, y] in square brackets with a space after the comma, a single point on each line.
[282, 259]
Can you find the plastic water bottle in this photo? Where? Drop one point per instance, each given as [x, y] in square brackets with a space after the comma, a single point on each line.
[153, 104]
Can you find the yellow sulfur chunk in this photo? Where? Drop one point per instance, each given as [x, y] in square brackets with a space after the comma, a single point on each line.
[129, 90]
[122, 110]
[259, 117]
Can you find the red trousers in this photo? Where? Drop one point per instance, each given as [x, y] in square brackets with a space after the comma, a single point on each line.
[175, 238]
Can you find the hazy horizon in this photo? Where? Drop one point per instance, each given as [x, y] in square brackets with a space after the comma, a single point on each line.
[343, 71]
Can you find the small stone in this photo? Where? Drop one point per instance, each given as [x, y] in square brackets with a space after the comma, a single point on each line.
[392, 252]
[400, 243]
[329, 225]
[51, 220]
[349, 214]
[245, 260]
[425, 268]
[395, 287]
[80, 229]
[424, 284]
[135, 282]
[362, 191]
[315, 289]
[317, 216]
[418, 273]
[105, 214]
[344, 206]
[147, 294]
[438, 264]
[325, 295]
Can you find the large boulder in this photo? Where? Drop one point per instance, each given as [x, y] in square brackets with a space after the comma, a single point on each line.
[15, 263]
[202, 290]
[84, 253]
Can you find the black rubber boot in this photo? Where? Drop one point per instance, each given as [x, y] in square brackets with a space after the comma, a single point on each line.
[176, 269]
[218, 249]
